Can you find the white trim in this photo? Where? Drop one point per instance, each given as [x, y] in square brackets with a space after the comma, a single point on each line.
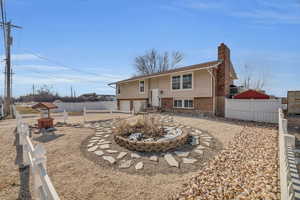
[181, 82]
[182, 102]
[140, 86]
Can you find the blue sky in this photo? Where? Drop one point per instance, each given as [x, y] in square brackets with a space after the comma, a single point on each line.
[92, 42]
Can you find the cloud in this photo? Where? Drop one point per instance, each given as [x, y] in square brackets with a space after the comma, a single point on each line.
[260, 12]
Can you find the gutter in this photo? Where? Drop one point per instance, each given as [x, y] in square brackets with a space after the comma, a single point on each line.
[209, 67]
[213, 88]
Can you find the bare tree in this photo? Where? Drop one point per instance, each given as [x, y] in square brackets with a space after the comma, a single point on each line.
[153, 61]
[253, 79]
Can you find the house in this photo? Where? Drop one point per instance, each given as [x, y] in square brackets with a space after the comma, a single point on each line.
[199, 88]
[251, 94]
[293, 100]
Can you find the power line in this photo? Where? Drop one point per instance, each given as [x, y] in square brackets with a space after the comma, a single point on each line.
[59, 63]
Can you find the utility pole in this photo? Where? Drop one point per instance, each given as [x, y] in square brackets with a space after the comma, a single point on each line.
[7, 26]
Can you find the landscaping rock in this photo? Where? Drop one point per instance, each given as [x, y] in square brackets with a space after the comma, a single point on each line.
[111, 151]
[199, 151]
[189, 160]
[139, 165]
[92, 148]
[99, 153]
[110, 159]
[125, 164]
[104, 146]
[153, 158]
[135, 155]
[121, 155]
[182, 153]
[171, 160]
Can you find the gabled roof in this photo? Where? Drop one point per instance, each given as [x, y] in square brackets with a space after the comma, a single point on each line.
[44, 105]
[251, 94]
[180, 69]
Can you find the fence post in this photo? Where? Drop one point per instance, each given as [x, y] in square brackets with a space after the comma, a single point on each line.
[84, 114]
[65, 117]
[40, 158]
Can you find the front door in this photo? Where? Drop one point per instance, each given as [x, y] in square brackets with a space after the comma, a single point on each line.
[155, 98]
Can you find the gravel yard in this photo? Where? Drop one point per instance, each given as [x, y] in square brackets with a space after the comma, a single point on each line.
[252, 153]
[247, 169]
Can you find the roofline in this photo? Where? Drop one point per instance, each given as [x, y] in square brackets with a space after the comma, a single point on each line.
[168, 73]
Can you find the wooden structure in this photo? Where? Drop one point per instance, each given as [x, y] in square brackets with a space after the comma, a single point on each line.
[251, 94]
[293, 102]
[45, 122]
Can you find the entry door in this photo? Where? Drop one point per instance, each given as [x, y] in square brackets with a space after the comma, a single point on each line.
[155, 97]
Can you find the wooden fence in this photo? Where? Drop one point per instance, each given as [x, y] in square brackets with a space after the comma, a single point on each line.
[289, 176]
[35, 157]
[253, 110]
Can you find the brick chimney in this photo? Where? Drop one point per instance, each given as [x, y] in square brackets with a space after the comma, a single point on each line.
[223, 80]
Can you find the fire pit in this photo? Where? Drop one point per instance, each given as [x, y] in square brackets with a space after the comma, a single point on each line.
[148, 134]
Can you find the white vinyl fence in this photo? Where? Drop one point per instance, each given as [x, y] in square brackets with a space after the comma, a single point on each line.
[289, 176]
[78, 106]
[34, 156]
[260, 110]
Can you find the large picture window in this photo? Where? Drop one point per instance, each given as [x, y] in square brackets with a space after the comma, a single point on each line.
[187, 81]
[184, 81]
[176, 82]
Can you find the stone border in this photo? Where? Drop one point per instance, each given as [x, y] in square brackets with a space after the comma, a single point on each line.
[158, 146]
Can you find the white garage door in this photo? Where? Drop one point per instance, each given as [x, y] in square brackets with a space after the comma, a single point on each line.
[125, 105]
[138, 106]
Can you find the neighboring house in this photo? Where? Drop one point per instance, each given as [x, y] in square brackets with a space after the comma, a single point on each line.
[199, 88]
[251, 94]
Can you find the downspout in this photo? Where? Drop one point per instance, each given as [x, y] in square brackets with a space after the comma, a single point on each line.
[213, 88]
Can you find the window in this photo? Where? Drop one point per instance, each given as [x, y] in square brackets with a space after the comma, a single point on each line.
[118, 89]
[188, 103]
[142, 86]
[187, 81]
[182, 82]
[176, 82]
[178, 103]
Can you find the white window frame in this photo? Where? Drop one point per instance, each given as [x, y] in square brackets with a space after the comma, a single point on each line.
[140, 86]
[182, 104]
[181, 81]
[178, 100]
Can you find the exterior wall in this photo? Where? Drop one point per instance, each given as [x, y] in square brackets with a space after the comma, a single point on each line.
[202, 85]
[201, 105]
[130, 90]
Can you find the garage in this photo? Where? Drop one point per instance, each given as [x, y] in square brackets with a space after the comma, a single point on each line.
[139, 105]
[125, 105]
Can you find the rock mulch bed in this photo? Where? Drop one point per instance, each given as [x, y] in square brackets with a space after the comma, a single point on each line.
[247, 169]
[102, 149]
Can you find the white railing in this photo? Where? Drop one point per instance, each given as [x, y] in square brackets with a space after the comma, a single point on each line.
[35, 157]
[289, 177]
[85, 112]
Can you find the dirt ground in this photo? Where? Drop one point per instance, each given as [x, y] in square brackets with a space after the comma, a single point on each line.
[76, 177]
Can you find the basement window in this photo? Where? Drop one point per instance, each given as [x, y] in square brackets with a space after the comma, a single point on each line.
[188, 104]
[177, 103]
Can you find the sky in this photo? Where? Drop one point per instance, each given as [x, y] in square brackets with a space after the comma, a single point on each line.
[87, 44]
